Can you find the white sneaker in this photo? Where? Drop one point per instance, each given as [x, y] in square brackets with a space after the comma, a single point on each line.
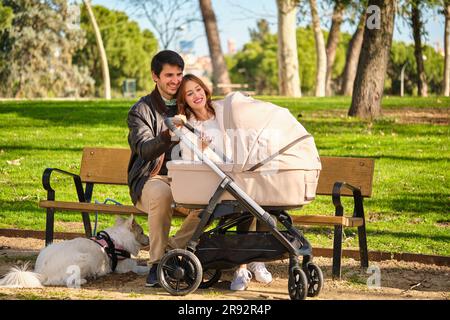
[241, 279]
[260, 271]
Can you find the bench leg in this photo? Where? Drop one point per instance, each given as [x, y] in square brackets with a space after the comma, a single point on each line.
[363, 253]
[87, 197]
[337, 252]
[87, 224]
[49, 225]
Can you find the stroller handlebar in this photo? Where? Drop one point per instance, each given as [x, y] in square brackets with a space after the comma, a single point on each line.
[168, 121]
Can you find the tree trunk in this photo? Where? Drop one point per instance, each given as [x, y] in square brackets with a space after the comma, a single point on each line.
[352, 57]
[447, 49]
[101, 49]
[288, 72]
[221, 78]
[333, 41]
[417, 26]
[321, 53]
[372, 65]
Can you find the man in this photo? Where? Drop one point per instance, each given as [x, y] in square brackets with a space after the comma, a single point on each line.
[151, 146]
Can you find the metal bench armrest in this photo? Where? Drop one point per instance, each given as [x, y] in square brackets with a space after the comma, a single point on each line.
[51, 193]
[358, 211]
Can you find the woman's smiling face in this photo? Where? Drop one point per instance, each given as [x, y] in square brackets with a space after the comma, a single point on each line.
[195, 96]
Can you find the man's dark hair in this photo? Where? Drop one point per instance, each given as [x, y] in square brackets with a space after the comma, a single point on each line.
[166, 57]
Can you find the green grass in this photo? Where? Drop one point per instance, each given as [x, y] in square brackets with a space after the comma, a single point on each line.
[408, 211]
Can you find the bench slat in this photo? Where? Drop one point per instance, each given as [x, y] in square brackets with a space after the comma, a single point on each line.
[90, 207]
[125, 209]
[103, 208]
[328, 220]
[355, 171]
[105, 165]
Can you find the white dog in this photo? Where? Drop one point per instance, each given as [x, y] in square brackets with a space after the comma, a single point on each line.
[71, 262]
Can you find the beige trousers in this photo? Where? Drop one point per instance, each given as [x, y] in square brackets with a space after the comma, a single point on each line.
[156, 200]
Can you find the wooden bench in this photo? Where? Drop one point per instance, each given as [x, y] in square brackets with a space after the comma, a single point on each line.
[339, 177]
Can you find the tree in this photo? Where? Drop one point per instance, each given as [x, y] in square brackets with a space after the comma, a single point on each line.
[167, 17]
[129, 49]
[333, 40]
[321, 55]
[417, 27]
[261, 31]
[220, 71]
[447, 49]
[256, 64]
[369, 83]
[101, 50]
[352, 57]
[401, 55]
[288, 73]
[36, 51]
[6, 16]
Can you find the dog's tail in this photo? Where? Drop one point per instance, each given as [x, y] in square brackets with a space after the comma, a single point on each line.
[20, 277]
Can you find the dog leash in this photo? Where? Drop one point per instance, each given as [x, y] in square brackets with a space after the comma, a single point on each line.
[96, 212]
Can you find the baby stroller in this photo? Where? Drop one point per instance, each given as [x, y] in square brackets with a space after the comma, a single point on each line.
[254, 184]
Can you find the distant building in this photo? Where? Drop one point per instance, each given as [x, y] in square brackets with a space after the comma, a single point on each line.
[199, 66]
[438, 48]
[231, 46]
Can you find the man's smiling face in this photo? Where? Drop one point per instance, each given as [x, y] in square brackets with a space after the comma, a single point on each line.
[169, 80]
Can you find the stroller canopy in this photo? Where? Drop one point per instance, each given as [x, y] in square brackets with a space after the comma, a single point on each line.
[263, 136]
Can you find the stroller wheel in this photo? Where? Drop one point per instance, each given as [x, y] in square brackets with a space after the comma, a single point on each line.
[315, 279]
[179, 272]
[210, 278]
[297, 284]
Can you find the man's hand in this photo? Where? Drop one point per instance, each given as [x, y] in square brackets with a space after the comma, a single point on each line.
[178, 120]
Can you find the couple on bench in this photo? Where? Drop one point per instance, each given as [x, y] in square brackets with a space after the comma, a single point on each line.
[186, 98]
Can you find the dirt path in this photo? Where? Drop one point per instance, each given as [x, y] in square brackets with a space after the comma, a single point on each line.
[399, 280]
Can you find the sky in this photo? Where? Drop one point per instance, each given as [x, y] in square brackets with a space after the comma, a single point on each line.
[235, 17]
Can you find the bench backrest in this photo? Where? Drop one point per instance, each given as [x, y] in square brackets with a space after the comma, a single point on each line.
[105, 165]
[109, 166]
[355, 171]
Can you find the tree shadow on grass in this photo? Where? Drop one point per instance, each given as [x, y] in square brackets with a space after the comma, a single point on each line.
[416, 203]
[29, 149]
[362, 153]
[72, 113]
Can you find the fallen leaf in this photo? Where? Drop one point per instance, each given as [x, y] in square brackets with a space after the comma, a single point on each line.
[15, 162]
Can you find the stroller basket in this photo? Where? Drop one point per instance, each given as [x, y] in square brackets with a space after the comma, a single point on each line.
[225, 251]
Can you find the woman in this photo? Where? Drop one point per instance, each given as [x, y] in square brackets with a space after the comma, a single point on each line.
[194, 102]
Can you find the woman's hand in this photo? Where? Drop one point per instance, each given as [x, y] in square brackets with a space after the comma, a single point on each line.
[204, 141]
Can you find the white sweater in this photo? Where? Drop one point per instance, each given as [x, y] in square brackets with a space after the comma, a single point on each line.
[212, 130]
